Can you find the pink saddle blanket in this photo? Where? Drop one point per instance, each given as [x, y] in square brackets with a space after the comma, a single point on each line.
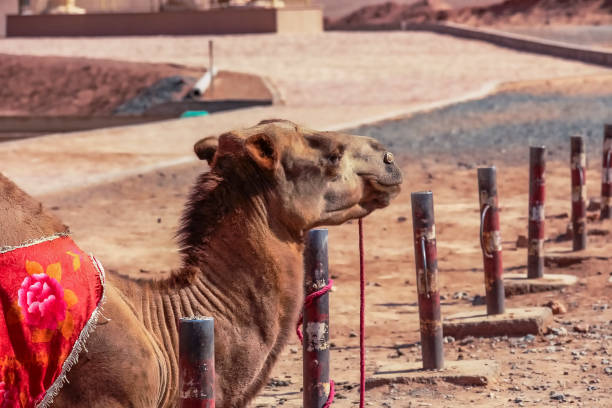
[50, 298]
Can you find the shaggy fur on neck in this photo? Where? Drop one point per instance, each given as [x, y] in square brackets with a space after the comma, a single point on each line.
[215, 195]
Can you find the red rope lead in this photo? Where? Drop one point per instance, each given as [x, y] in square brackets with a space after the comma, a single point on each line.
[361, 317]
[307, 301]
[332, 392]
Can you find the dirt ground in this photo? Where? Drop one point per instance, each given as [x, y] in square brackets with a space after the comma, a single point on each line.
[134, 221]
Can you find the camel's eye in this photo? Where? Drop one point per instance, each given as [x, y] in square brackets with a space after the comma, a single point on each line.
[334, 158]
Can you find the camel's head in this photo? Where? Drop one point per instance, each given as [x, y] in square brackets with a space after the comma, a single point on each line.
[312, 178]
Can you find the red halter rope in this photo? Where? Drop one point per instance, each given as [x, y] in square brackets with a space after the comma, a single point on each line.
[308, 300]
[361, 317]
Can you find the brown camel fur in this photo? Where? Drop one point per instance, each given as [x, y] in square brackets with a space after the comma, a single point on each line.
[242, 241]
[22, 218]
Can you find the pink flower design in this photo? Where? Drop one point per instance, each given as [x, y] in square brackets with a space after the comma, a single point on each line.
[41, 298]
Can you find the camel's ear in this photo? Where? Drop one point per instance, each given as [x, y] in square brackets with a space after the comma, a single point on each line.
[206, 148]
[263, 150]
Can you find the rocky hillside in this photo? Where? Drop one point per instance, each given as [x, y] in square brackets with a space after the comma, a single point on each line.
[509, 12]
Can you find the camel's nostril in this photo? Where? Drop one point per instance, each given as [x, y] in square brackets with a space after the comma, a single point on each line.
[388, 158]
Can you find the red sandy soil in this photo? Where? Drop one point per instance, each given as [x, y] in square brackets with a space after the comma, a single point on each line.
[85, 86]
[516, 12]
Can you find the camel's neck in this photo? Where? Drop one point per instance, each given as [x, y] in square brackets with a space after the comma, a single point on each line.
[246, 277]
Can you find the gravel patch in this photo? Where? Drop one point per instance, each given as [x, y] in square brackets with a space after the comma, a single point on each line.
[504, 123]
[164, 90]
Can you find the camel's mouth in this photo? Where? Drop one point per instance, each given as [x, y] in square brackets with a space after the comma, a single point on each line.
[377, 193]
[389, 184]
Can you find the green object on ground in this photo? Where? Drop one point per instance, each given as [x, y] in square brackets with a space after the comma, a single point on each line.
[193, 114]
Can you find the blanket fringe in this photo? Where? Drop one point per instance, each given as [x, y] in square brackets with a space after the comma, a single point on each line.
[34, 242]
[79, 345]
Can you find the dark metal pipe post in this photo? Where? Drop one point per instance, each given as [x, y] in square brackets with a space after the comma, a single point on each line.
[426, 261]
[316, 322]
[24, 5]
[578, 169]
[606, 174]
[211, 66]
[490, 240]
[537, 196]
[197, 362]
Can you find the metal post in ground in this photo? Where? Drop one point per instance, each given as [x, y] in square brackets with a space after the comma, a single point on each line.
[537, 195]
[427, 279]
[490, 240]
[316, 322]
[578, 169]
[197, 362]
[211, 66]
[606, 175]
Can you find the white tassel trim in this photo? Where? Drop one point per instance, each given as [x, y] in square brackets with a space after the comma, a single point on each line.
[79, 345]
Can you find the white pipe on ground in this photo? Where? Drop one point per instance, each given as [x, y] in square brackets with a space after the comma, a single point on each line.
[203, 83]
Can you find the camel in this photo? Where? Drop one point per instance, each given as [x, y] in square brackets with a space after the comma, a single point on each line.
[241, 242]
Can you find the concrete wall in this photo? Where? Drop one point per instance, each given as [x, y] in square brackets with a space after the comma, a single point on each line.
[296, 20]
[7, 7]
[215, 21]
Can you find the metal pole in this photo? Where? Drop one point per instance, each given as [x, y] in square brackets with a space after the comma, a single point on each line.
[197, 362]
[606, 174]
[316, 322]
[490, 240]
[537, 195]
[24, 5]
[578, 171]
[427, 279]
[211, 66]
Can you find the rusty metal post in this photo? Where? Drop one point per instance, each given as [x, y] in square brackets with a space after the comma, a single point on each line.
[197, 362]
[490, 240]
[537, 196]
[316, 322]
[606, 175]
[426, 261]
[579, 195]
[211, 66]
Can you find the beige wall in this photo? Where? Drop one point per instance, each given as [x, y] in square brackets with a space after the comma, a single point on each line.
[299, 21]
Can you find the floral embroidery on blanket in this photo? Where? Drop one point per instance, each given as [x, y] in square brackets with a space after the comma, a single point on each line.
[50, 297]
